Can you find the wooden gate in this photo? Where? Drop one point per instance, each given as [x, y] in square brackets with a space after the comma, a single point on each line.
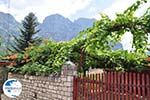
[112, 86]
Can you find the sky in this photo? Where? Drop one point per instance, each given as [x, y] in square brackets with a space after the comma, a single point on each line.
[72, 9]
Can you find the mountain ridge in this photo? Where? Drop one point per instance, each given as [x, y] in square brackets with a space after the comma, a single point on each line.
[55, 27]
[60, 28]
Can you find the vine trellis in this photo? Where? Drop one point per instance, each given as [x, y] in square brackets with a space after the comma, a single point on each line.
[106, 31]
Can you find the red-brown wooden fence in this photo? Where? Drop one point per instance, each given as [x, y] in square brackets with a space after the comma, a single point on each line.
[112, 85]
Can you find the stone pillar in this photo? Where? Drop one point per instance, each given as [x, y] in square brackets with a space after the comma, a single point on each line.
[69, 70]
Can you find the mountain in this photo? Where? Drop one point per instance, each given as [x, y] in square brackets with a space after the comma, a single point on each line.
[8, 26]
[59, 28]
[84, 23]
[54, 27]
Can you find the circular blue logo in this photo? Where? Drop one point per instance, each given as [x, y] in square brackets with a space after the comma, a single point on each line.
[12, 88]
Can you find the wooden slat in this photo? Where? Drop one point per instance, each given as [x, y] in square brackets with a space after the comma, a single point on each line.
[143, 85]
[87, 86]
[126, 85]
[75, 87]
[99, 86]
[148, 85]
[106, 83]
[130, 86]
[112, 94]
[91, 86]
[119, 85]
[134, 85]
[138, 85]
[115, 85]
[84, 88]
[102, 86]
[93, 90]
[109, 84]
[122, 83]
[79, 88]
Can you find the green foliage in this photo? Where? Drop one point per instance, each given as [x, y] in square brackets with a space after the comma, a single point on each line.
[93, 47]
[44, 59]
[123, 60]
[28, 30]
[33, 69]
[106, 31]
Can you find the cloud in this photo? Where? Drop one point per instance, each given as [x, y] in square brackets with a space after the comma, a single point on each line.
[120, 5]
[143, 9]
[3, 1]
[127, 40]
[43, 8]
[117, 6]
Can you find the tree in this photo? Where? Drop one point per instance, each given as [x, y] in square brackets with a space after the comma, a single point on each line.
[28, 30]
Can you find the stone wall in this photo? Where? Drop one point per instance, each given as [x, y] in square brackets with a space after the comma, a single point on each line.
[47, 88]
